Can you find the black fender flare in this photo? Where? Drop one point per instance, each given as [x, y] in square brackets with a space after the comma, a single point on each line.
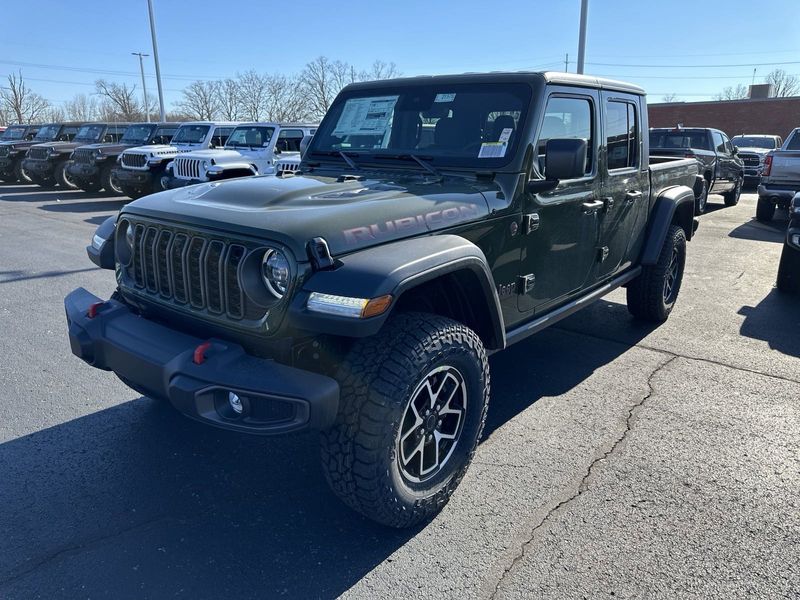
[102, 253]
[396, 268]
[673, 205]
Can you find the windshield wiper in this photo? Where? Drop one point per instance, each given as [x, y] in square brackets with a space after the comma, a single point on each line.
[422, 162]
[350, 162]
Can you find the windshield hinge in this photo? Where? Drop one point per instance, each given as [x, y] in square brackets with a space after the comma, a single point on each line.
[484, 174]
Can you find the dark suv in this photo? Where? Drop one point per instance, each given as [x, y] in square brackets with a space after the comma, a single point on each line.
[46, 164]
[12, 151]
[722, 169]
[92, 166]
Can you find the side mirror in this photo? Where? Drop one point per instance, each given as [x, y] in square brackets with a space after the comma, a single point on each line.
[277, 149]
[735, 151]
[563, 159]
[304, 143]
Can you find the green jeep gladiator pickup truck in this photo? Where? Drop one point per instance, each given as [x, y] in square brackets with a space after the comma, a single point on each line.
[434, 220]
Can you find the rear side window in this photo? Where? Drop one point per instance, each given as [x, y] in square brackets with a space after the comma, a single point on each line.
[568, 118]
[676, 139]
[621, 135]
[793, 143]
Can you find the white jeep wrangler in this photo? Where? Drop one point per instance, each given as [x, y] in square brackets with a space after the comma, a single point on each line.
[252, 149]
[140, 170]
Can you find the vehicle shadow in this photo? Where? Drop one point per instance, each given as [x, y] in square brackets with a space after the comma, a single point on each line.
[775, 320]
[15, 275]
[773, 231]
[34, 193]
[103, 203]
[138, 501]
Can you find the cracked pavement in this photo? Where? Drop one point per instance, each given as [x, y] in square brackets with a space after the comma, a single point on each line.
[619, 459]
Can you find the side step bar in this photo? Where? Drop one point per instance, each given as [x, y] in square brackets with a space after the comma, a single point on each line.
[520, 333]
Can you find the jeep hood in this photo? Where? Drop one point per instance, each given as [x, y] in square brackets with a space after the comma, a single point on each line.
[350, 215]
[63, 146]
[215, 154]
[108, 148]
[154, 148]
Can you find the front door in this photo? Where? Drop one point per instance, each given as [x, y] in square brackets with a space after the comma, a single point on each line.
[724, 179]
[625, 184]
[558, 255]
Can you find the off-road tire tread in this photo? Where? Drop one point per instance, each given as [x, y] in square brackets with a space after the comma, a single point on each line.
[60, 176]
[645, 294]
[788, 280]
[371, 377]
[765, 210]
[732, 198]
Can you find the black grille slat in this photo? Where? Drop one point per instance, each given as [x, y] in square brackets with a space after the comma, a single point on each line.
[38, 153]
[133, 160]
[83, 156]
[194, 269]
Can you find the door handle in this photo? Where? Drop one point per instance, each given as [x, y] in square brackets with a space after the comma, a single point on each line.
[633, 196]
[590, 208]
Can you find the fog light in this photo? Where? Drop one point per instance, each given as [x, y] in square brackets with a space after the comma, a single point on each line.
[235, 402]
[796, 239]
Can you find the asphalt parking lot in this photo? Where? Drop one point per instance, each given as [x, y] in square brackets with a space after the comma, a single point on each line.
[620, 460]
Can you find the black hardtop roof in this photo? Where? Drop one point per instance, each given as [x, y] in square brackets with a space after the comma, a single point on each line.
[550, 77]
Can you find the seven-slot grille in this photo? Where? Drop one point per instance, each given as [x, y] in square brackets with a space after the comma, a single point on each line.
[750, 160]
[38, 153]
[285, 168]
[83, 155]
[131, 159]
[192, 270]
[188, 168]
[5, 150]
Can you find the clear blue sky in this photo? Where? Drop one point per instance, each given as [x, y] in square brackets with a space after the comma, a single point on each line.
[74, 42]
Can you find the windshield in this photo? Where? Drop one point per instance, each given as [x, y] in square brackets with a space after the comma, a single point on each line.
[191, 134]
[250, 137]
[754, 141]
[47, 133]
[89, 133]
[137, 134]
[468, 124]
[679, 139]
[14, 133]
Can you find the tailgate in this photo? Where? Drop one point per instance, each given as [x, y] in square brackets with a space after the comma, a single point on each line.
[785, 166]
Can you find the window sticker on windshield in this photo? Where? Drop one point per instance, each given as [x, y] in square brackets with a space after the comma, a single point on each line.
[444, 97]
[505, 135]
[366, 116]
[492, 150]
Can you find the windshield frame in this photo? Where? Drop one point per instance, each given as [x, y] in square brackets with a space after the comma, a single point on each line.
[767, 138]
[516, 96]
[6, 136]
[40, 137]
[188, 127]
[268, 143]
[90, 127]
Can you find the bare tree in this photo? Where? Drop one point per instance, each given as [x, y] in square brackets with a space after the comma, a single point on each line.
[672, 97]
[20, 103]
[733, 93]
[201, 100]
[783, 84]
[320, 85]
[380, 70]
[228, 100]
[81, 108]
[119, 100]
[54, 114]
[285, 101]
[252, 91]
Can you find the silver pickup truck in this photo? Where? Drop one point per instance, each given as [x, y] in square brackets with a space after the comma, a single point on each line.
[780, 178]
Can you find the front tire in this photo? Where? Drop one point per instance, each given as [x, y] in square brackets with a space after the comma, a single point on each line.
[64, 179]
[21, 174]
[732, 197]
[765, 210]
[108, 182]
[651, 296]
[413, 406]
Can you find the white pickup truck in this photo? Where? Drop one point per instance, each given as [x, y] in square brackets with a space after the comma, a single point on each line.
[140, 170]
[780, 177]
[252, 149]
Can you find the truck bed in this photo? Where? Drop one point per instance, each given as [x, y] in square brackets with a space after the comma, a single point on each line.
[666, 172]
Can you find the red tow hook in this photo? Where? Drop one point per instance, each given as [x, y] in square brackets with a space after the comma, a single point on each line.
[94, 309]
[200, 353]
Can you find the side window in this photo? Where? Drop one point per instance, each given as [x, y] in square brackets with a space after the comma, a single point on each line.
[221, 135]
[289, 140]
[621, 135]
[719, 143]
[728, 145]
[570, 118]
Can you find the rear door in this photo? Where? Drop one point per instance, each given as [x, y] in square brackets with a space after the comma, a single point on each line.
[558, 254]
[625, 184]
[723, 169]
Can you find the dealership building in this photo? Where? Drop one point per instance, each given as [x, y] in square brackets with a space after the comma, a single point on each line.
[757, 114]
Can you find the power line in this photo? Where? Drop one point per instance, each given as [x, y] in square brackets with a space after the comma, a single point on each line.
[767, 64]
[101, 71]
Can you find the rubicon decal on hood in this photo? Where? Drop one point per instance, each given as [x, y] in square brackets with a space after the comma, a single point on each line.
[429, 221]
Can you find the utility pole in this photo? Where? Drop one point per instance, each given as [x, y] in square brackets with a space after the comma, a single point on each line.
[754, 75]
[144, 85]
[155, 59]
[582, 37]
[566, 63]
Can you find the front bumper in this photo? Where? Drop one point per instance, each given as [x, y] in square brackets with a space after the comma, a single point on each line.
[83, 171]
[165, 363]
[141, 180]
[6, 165]
[752, 172]
[171, 183]
[40, 168]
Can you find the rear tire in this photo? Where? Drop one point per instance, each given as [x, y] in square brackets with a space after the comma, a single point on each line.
[652, 295]
[64, 179]
[732, 197]
[789, 270]
[765, 210]
[21, 174]
[398, 450]
[701, 201]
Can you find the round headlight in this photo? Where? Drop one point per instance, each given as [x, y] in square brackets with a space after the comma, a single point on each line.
[275, 272]
[206, 165]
